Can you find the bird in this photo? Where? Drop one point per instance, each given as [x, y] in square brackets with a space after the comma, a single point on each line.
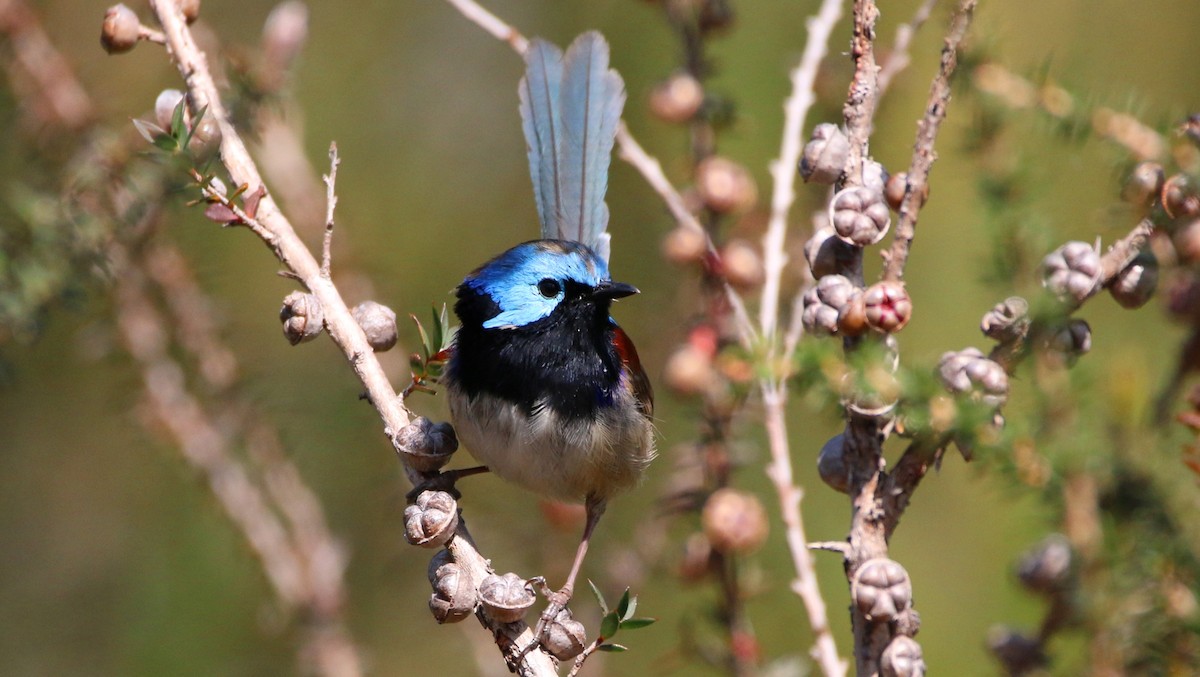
[543, 386]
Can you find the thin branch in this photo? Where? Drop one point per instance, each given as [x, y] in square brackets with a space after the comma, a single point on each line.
[899, 58]
[345, 332]
[783, 170]
[859, 109]
[825, 650]
[492, 24]
[330, 203]
[923, 153]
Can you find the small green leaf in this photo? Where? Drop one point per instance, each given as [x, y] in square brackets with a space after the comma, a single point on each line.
[178, 132]
[636, 623]
[445, 323]
[148, 130]
[612, 648]
[438, 332]
[599, 598]
[631, 608]
[424, 336]
[609, 625]
[195, 125]
[623, 609]
[164, 142]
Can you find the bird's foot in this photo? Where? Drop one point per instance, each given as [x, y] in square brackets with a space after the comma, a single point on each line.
[558, 600]
[444, 481]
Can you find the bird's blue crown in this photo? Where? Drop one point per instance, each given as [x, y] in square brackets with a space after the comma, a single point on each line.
[529, 281]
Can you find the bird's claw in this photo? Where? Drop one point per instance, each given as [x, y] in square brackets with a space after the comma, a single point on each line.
[558, 600]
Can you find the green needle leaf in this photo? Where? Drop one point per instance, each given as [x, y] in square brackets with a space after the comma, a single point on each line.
[623, 605]
[599, 598]
[635, 623]
[612, 648]
[610, 625]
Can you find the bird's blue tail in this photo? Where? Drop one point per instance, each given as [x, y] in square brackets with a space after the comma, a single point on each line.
[570, 108]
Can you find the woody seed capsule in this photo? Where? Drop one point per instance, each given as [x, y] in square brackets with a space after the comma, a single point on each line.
[734, 521]
[1143, 184]
[454, 596]
[424, 445]
[565, 637]
[119, 32]
[378, 322]
[506, 597]
[823, 302]
[302, 317]
[827, 254]
[1134, 285]
[684, 245]
[1071, 272]
[881, 589]
[902, 658]
[742, 264]
[887, 305]
[825, 154]
[431, 520]
[1007, 320]
[969, 372]
[859, 216]
[831, 464]
[678, 98]
[724, 185]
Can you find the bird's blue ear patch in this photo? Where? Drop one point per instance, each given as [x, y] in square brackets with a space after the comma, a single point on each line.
[514, 279]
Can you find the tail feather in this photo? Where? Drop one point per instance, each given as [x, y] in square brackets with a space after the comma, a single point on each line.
[541, 119]
[570, 107]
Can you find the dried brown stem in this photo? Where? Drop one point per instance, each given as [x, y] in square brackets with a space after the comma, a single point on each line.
[56, 91]
[923, 153]
[330, 204]
[279, 235]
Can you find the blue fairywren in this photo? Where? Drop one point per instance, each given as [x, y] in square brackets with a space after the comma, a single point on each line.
[544, 387]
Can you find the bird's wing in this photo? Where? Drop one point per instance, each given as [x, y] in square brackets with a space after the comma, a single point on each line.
[633, 366]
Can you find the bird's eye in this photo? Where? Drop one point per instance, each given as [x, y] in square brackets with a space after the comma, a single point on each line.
[549, 287]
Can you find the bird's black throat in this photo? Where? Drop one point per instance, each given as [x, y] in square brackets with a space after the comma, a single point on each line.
[565, 360]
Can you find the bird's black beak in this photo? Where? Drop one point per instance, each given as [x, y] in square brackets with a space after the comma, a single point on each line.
[614, 290]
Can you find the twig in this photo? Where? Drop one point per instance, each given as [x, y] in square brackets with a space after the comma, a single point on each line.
[859, 109]
[342, 328]
[774, 392]
[805, 585]
[55, 84]
[330, 203]
[783, 170]
[899, 58]
[492, 24]
[632, 152]
[923, 153]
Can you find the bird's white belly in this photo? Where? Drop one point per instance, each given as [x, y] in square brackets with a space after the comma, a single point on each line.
[555, 456]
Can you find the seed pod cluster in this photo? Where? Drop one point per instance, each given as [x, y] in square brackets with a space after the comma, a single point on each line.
[431, 520]
[302, 317]
[827, 254]
[825, 155]
[824, 302]
[506, 598]
[1072, 272]
[378, 322]
[120, 30]
[860, 216]
[969, 372]
[454, 596]
[424, 445]
[887, 306]
[1047, 567]
[831, 464]
[565, 637]
[902, 658]
[881, 589]
[1070, 340]
[678, 98]
[1134, 285]
[1007, 320]
[734, 521]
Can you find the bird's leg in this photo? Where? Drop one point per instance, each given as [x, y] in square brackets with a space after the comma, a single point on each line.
[559, 599]
[444, 481]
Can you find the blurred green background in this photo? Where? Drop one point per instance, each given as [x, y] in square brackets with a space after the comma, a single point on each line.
[114, 559]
